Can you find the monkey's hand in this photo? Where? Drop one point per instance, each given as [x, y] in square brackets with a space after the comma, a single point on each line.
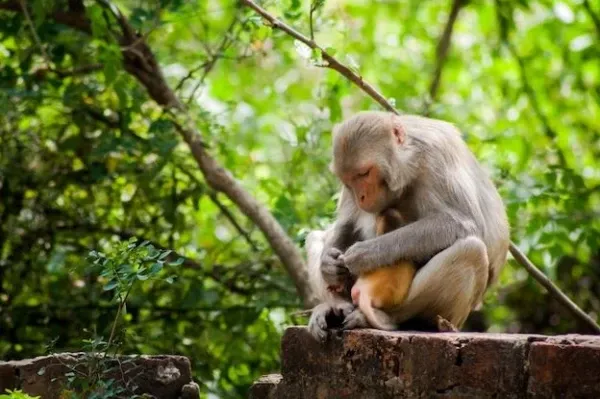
[326, 316]
[334, 271]
[361, 257]
[356, 319]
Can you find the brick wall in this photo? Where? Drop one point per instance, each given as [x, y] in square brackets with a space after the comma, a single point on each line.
[372, 364]
[167, 377]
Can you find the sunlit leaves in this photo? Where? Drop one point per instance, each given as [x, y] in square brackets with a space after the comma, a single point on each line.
[128, 262]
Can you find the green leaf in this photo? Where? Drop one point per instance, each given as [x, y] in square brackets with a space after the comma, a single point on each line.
[110, 56]
[156, 267]
[95, 13]
[178, 262]
[331, 51]
[112, 284]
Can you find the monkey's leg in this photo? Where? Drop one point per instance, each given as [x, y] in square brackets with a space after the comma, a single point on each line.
[449, 285]
[333, 308]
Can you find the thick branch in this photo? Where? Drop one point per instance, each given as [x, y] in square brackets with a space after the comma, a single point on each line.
[442, 51]
[221, 180]
[77, 20]
[353, 77]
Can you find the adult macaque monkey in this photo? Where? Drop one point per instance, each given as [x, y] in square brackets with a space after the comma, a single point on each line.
[456, 227]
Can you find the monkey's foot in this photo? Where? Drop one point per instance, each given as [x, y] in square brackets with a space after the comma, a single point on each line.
[444, 325]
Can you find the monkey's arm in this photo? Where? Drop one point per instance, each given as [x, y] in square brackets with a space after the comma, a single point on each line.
[343, 235]
[416, 242]
[334, 271]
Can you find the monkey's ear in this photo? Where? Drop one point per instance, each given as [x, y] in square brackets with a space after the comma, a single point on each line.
[398, 133]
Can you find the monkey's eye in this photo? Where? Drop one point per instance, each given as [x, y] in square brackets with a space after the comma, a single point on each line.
[365, 173]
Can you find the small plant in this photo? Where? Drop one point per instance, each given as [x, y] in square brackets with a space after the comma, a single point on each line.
[121, 268]
[18, 394]
[127, 264]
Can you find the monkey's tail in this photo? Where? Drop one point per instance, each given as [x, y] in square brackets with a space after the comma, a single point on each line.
[378, 320]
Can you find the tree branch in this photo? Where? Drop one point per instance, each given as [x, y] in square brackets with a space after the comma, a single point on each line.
[441, 53]
[74, 19]
[331, 61]
[233, 221]
[553, 289]
[62, 73]
[368, 89]
[595, 18]
[535, 105]
[36, 38]
[214, 57]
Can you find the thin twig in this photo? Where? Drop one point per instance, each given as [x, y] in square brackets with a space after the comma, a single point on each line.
[214, 57]
[190, 74]
[226, 212]
[331, 62]
[441, 53]
[368, 89]
[63, 73]
[552, 288]
[116, 321]
[314, 5]
[549, 132]
[213, 197]
[34, 33]
[595, 18]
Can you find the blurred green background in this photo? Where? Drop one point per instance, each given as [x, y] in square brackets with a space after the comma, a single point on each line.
[88, 159]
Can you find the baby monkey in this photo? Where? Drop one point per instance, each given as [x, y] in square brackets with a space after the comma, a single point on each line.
[387, 287]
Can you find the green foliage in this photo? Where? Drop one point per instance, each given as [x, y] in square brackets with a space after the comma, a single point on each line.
[130, 262]
[17, 394]
[87, 161]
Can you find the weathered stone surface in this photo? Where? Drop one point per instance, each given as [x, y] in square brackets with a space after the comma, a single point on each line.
[566, 370]
[159, 376]
[190, 391]
[376, 364]
[8, 376]
[265, 386]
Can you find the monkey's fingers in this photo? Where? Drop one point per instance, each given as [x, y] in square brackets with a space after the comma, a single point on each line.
[343, 309]
[317, 325]
[332, 266]
[356, 319]
[332, 253]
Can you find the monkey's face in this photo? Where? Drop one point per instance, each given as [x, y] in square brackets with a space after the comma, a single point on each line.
[368, 186]
[364, 151]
